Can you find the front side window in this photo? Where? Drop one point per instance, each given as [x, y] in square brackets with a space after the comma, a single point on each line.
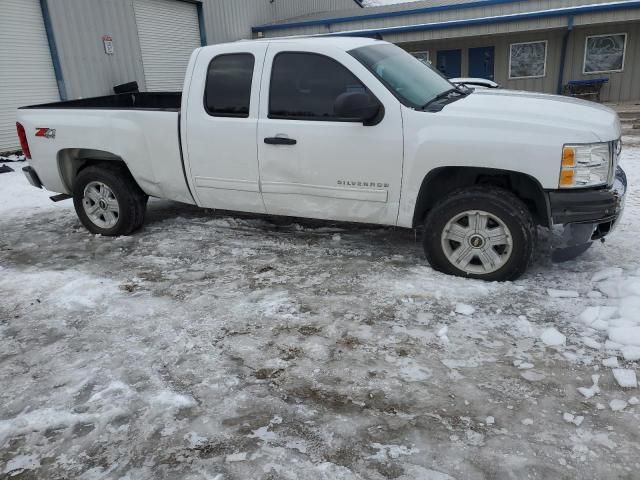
[413, 82]
[528, 60]
[228, 89]
[604, 53]
[306, 85]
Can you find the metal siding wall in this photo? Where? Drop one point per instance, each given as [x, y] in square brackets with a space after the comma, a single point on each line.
[475, 12]
[78, 27]
[230, 20]
[622, 86]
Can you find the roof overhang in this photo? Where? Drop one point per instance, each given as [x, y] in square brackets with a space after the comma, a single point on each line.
[511, 17]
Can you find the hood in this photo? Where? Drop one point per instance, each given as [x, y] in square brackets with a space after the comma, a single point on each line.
[539, 109]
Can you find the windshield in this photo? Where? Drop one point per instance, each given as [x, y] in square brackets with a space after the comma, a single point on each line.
[413, 82]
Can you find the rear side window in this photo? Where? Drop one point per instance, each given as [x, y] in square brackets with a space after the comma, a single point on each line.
[306, 85]
[228, 89]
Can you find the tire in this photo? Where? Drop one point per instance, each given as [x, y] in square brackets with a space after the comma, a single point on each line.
[496, 231]
[114, 189]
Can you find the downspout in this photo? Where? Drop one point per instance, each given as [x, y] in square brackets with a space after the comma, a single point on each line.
[201, 24]
[563, 53]
[53, 50]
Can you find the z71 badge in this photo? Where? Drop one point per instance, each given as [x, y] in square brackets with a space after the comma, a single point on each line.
[46, 132]
[356, 183]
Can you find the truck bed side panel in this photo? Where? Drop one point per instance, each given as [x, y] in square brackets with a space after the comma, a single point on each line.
[147, 141]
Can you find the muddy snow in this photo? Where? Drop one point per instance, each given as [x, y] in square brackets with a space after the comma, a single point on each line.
[220, 346]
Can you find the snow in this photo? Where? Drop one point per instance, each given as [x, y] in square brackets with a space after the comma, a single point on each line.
[617, 405]
[464, 309]
[571, 418]
[217, 345]
[625, 377]
[552, 337]
[627, 335]
[555, 293]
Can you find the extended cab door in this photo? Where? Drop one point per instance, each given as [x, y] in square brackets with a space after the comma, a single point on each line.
[221, 120]
[314, 163]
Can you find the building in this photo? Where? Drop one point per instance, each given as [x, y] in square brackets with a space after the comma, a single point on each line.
[54, 50]
[537, 45]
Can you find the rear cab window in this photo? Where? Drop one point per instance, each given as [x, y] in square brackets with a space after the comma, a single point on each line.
[227, 91]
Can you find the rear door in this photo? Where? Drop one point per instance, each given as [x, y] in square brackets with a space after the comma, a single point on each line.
[221, 120]
[323, 166]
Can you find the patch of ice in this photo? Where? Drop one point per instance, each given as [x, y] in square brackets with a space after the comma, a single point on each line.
[555, 293]
[634, 401]
[533, 376]
[386, 452]
[527, 421]
[172, 400]
[591, 343]
[575, 419]
[464, 309]
[593, 390]
[236, 457]
[611, 362]
[630, 353]
[490, 420]
[21, 463]
[625, 377]
[617, 405]
[606, 273]
[552, 337]
[625, 335]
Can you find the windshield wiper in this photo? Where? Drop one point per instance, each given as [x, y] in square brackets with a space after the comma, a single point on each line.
[444, 94]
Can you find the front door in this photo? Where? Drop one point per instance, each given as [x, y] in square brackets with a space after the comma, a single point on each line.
[449, 63]
[314, 163]
[220, 150]
[481, 61]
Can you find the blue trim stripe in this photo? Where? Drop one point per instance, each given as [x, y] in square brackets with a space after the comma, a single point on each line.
[373, 16]
[53, 49]
[557, 12]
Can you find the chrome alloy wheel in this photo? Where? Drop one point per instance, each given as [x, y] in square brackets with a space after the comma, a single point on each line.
[101, 205]
[477, 242]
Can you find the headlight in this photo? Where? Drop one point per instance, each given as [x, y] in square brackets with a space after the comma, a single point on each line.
[585, 165]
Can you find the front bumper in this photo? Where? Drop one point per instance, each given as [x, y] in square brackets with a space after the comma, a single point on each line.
[592, 214]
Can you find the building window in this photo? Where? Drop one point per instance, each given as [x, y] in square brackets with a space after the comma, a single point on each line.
[228, 88]
[422, 56]
[604, 53]
[528, 60]
[306, 85]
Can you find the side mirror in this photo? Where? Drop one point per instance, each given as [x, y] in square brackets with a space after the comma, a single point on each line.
[360, 106]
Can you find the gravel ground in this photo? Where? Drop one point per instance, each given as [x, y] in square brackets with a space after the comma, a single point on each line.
[213, 346]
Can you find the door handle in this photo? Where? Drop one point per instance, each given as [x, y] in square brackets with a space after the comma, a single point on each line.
[280, 141]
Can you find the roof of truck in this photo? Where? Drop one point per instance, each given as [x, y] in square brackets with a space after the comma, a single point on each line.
[344, 43]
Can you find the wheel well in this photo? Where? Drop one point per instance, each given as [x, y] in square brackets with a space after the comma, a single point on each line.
[72, 161]
[442, 181]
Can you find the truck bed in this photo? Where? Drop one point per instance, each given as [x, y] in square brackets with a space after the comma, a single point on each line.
[160, 101]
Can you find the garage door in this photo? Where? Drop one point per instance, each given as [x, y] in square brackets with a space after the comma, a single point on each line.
[169, 32]
[26, 70]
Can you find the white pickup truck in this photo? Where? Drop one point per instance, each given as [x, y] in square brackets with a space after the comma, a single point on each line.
[347, 129]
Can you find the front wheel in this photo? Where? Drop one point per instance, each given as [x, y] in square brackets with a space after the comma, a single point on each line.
[480, 232]
[108, 201]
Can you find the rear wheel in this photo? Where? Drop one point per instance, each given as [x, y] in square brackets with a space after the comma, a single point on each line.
[108, 201]
[480, 232]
